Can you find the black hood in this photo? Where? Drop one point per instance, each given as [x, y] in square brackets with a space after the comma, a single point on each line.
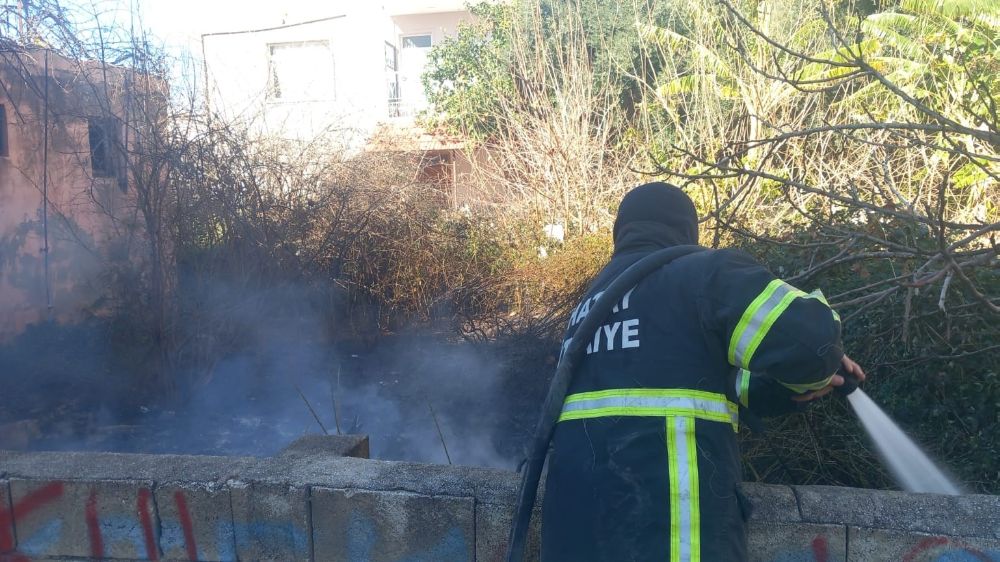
[653, 216]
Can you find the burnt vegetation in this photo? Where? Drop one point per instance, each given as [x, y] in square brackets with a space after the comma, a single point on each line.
[849, 148]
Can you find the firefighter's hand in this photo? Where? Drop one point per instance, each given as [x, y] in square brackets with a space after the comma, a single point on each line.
[853, 368]
[836, 380]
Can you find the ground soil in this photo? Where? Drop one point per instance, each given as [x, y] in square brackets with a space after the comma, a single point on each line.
[413, 393]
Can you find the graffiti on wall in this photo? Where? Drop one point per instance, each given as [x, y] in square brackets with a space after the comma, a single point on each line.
[142, 531]
[31, 502]
[139, 531]
[945, 549]
[928, 549]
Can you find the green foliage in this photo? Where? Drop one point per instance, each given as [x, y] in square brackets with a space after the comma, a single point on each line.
[944, 53]
[467, 75]
[865, 201]
[621, 62]
[934, 371]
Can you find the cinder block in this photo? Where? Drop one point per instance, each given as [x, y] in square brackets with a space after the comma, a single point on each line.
[797, 541]
[270, 521]
[99, 519]
[967, 515]
[493, 524]
[770, 503]
[328, 445]
[829, 504]
[881, 544]
[196, 522]
[7, 539]
[353, 525]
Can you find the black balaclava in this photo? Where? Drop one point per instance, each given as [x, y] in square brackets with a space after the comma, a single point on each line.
[653, 216]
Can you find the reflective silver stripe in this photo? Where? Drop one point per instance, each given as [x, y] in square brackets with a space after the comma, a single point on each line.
[818, 295]
[756, 324]
[693, 404]
[685, 528]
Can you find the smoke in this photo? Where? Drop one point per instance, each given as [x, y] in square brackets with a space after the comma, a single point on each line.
[394, 393]
[253, 406]
[247, 402]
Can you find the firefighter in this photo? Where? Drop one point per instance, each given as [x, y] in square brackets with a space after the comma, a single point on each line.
[645, 464]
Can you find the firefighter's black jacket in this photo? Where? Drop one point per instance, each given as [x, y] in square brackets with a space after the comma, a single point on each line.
[645, 463]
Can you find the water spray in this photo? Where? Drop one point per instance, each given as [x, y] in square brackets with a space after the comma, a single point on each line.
[909, 465]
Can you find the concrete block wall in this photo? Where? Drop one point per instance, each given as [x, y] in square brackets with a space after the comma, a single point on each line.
[314, 505]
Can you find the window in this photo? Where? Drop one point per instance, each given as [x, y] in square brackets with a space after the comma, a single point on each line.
[103, 136]
[391, 57]
[417, 41]
[4, 149]
[300, 71]
[392, 76]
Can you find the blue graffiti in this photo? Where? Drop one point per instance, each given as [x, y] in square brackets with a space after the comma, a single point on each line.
[362, 536]
[122, 531]
[452, 547]
[283, 537]
[172, 538]
[126, 534]
[963, 555]
[41, 541]
[225, 541]
[801, 556]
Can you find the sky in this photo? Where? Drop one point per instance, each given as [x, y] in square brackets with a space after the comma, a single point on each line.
[183, 21]
[177, 25]
[180, 23]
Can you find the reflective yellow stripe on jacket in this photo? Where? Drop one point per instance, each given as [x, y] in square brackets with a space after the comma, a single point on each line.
[743, 387]
[685, 505]
[680, 408]
[654, 402]
[757, 320]
[760, 315]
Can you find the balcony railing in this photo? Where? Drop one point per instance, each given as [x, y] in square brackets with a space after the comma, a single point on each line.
[399, 108]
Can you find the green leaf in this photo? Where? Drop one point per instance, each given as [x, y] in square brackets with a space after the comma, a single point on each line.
[822, 70]
[676, 42]
[968, 175]
[952, 8]
[688, 84]
[900, 32]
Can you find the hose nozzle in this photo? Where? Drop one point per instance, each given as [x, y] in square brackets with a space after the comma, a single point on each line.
[851, 382]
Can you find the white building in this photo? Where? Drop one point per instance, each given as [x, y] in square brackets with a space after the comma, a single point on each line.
[342, 68]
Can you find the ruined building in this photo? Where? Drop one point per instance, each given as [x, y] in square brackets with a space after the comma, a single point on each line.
[68, 130]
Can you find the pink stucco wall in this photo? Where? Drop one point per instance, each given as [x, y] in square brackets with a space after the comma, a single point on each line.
[80, 206]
